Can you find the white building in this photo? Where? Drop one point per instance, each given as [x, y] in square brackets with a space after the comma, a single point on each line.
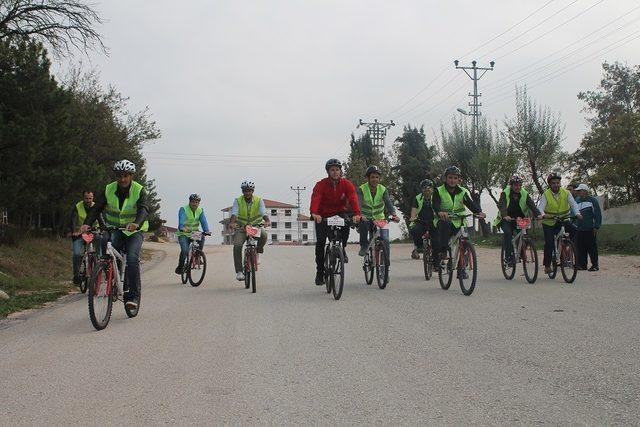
[284, 225]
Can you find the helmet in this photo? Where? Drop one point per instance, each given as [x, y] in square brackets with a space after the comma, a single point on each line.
[553, 175]
[426, 183]
[372, 169]
[194, 196]
[332, 162]
[247, 185]
[452, 170]
[124, 166]
[515, 179]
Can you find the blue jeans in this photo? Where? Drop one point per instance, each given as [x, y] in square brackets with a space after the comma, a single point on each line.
[184, 242]
[365, 228]
[133, 245]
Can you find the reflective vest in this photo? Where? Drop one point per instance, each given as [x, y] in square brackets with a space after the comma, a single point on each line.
[373, 207]
[522, 202]
[244, 216]
[192, 222]
[558, 207]
[82, 215]
[452, 205]
[119, 217]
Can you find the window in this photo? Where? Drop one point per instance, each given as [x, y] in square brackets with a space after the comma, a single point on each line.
[305, 237]
[287, 237]
[287, 212]
[274, 237]
[274, 225]
[274, 212]
[305, 225]
[287, 225]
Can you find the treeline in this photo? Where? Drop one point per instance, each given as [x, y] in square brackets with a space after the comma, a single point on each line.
[60, 138]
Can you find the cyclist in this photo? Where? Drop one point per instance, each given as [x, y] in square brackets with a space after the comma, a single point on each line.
[247, 209]
[450, 197]
[514, 202]
[333, 195]
[124, 203]
[190, 217]
[421, 210]
[556, 201]
[78, 215]
[375, 202]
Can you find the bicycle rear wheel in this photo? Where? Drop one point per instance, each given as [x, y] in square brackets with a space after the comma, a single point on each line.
[445, 277]
[508, 271]
[337, 270]
[427, 259]
[382, 266]
[367, 266]
[197, 268]
[529, 261]
[468, 270]
[568, 264]
[100, 296]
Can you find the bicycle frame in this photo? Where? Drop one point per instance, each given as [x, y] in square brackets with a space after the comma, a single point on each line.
[376, 237]
[119, 275]
[517, 241]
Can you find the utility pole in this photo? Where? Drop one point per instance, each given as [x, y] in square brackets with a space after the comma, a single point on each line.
[377, 132]
[298, 190]
[475, 105]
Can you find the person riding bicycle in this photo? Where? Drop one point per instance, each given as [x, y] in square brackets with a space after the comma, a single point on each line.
[333, 195]
[556, 201]
[124, 203]
[375, 204]
[247, 209]
[421, 218]
[78, 215]
[514, 202]
[190, 217]
[450, 197]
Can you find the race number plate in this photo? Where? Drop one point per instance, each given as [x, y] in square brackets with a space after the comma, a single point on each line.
[336, 221]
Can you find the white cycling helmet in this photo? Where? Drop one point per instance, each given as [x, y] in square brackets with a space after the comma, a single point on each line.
[124, 166]
[247, 185]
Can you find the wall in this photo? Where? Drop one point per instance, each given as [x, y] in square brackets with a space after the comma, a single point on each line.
[628, 214]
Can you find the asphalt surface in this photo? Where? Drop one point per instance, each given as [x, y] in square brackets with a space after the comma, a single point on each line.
[512, 353]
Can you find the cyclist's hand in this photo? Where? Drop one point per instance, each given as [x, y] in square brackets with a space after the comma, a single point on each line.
[395, 218]
[84, 228]
[548, 216]
[443, 215]
[356, 218]
[413, 219]
[482, 215]
[579, 216]
[233, 225]
[267, 223]
[508, 218]
[363, 218]
[316, 218]
[132, 226]
[540, 216]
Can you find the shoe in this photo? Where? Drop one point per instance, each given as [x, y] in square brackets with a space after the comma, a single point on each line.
[547, 270]
[594, 268]
[581, 268]
[362, 252]
[76, 280]
[178, 270]
[131, 305]
[240, 276]
[463, 275]
[415, 254]
[319, 279]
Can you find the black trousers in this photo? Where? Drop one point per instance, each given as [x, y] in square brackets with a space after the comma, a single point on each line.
[508, 227]
[587, 245]
[322, 232]
[550, 232]
[443, 231]
[416, 231]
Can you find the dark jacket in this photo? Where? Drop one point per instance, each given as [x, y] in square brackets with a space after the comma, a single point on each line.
[514, 210]
[591, 214]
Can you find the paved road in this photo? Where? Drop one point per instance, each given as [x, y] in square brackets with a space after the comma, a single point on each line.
[290, 354]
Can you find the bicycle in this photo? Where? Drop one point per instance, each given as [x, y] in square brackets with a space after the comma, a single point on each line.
[88, 260]
[107, 285]
[195, 265]
[563, 245]
[427, 252]
[376, 256]
[524, 246]
[334, 256]
[465, 256]
[250, 259]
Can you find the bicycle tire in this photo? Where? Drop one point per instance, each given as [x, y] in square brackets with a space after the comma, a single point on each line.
[98, 284]
[327, 270]
[367, 266]
[507, 271]
[554, 265]
[337, 270]
[382, 266]
[470, 260]
[568, 264]
[184, 275]
[246, 268]
[445, 284]
[427, 259]
[253, 277]
[84, 278]
[202, 260]
[529, 261]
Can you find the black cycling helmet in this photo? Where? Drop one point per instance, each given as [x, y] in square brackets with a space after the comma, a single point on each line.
[426, 183]
[332, 162]
[552, 176]
[452, 170]
[515, 179]
[372, 169]
[194, 196]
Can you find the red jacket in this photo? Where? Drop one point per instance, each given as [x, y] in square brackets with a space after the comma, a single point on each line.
[327, 200]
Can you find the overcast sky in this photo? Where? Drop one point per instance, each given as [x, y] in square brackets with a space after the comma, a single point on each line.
[268, 90]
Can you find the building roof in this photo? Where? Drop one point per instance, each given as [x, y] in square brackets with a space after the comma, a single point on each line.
[269, 204]
[168, 229]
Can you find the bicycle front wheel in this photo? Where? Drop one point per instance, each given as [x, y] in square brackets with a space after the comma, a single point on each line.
[508, 270]
[367, 266]
[445, 273]
[337, 271]
[427, 260]
[197, 268]
[568, 264]
[467, 268]
[248, 260]
[99, 298]
[382, 266]
[184, 276]
[84, 276]
[327, 269]
[529, 261]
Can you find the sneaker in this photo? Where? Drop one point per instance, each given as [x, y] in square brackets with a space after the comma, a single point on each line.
[131, 305]
[362, 252]
[76, 280]
[594, 268]
[178, 270]
[319, 279]
[415, 254]
[547, 270]
[240, 276]
[463, 275]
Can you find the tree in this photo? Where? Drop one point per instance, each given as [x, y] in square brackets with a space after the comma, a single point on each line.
[62, 24]
[609, 154]
[535, 135]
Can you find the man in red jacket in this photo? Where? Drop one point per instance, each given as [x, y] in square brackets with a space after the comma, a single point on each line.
[331, 196]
